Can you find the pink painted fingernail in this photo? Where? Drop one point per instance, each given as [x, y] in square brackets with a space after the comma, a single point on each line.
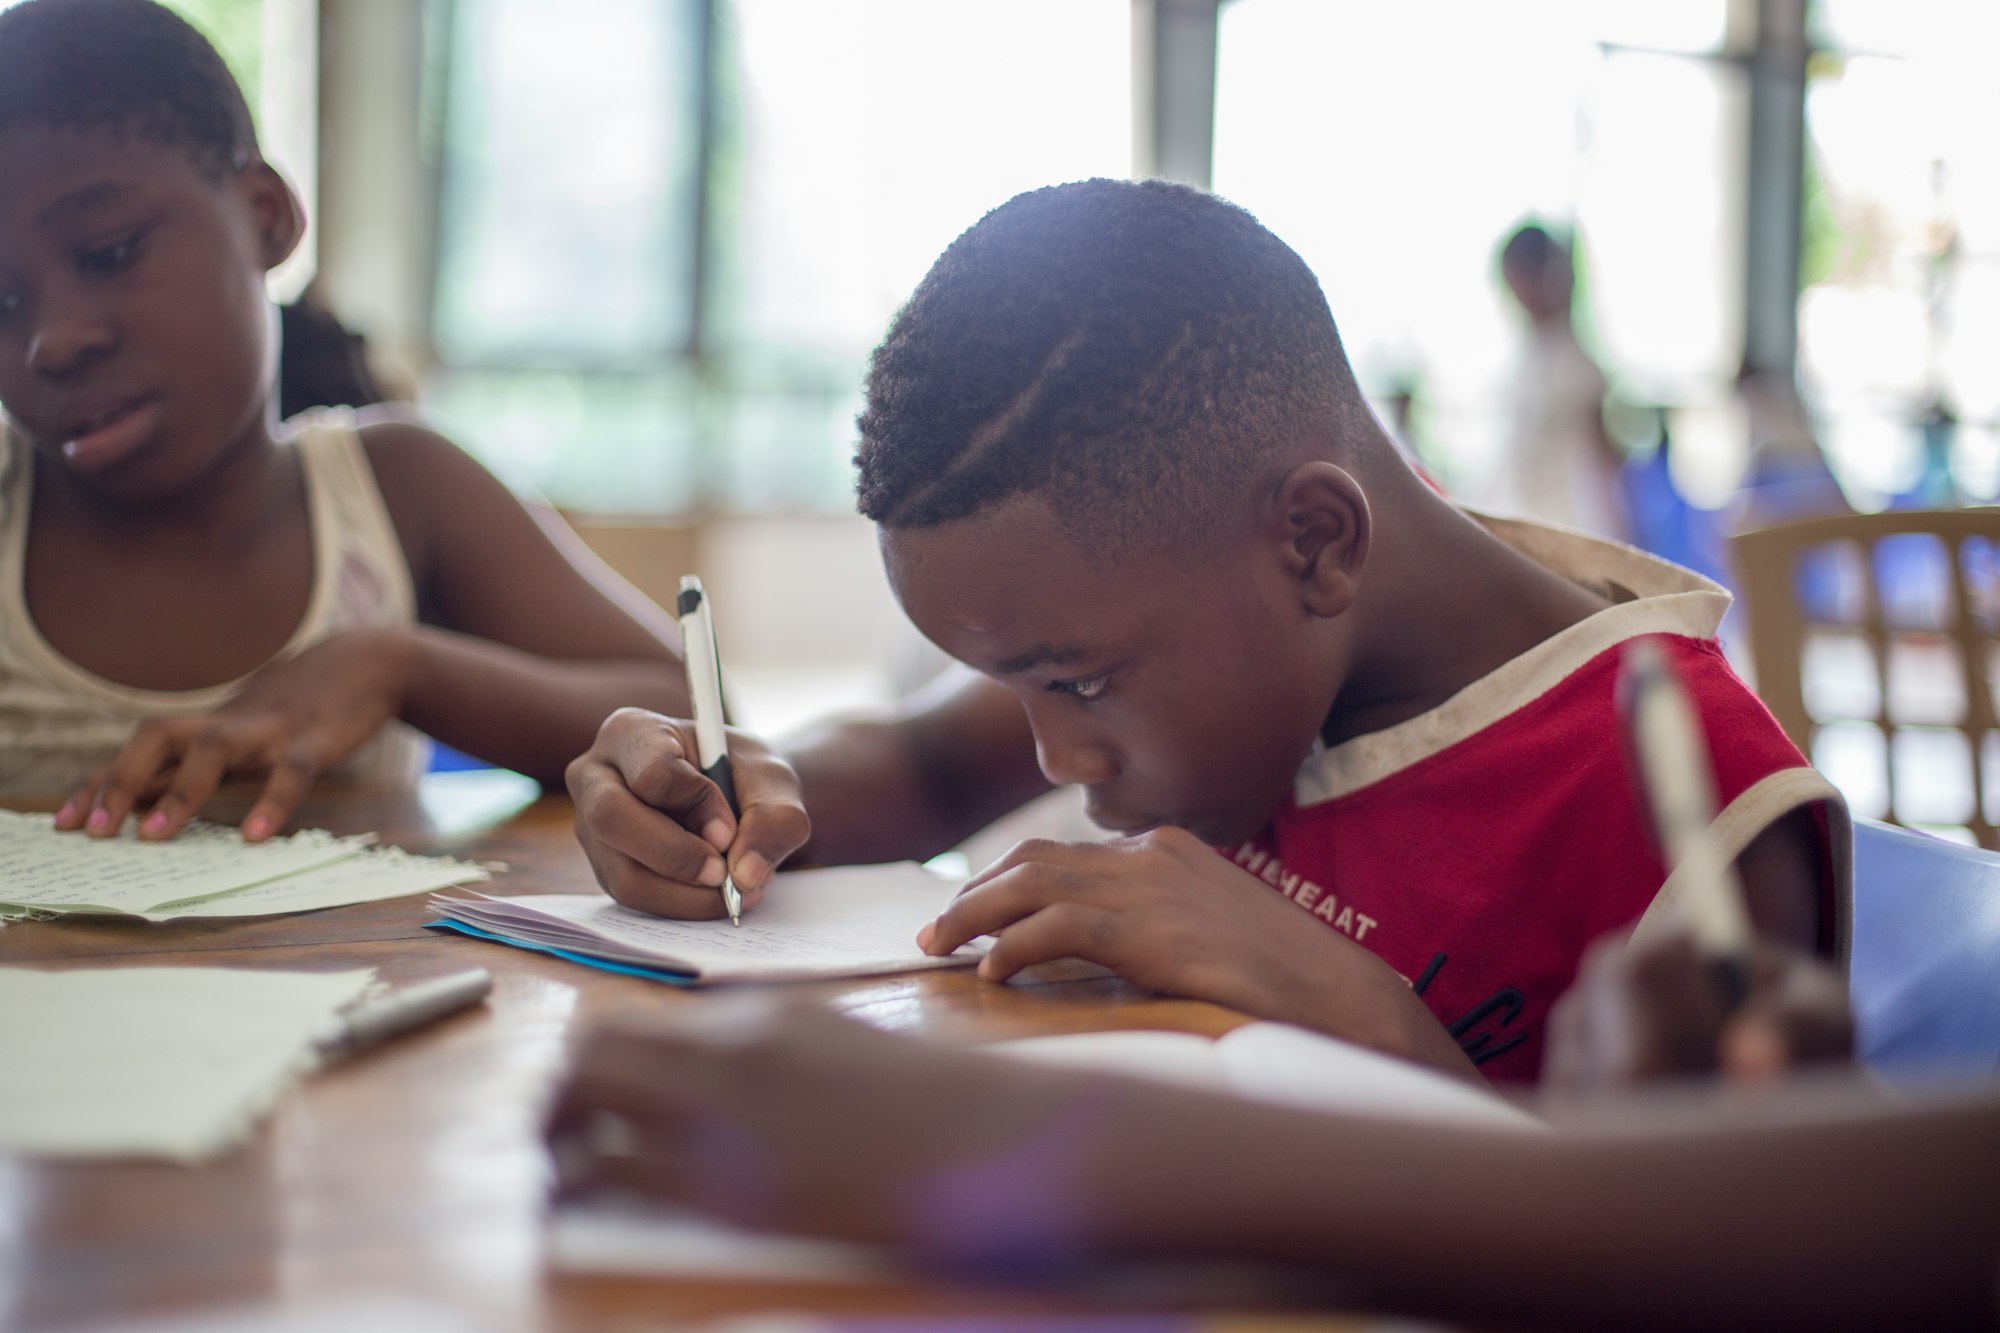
[67, 813]
[99, 821]
[154, 823]
[256, 827]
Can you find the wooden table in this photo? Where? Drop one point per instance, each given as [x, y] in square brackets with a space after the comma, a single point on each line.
[418, 1170]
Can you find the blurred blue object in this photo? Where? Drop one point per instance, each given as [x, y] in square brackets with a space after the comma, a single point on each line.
[1665, 522]
[1913, 581]
[444, 759]
[1925, 979]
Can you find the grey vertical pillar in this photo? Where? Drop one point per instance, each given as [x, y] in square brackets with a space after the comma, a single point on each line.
[377, 188]
[1773, 200]
[1173, 66]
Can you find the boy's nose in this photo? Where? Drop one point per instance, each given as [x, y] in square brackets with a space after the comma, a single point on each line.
[1068, 759]
[67, 340]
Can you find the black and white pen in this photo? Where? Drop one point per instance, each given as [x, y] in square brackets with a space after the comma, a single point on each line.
[704, 676]
[1677, 778]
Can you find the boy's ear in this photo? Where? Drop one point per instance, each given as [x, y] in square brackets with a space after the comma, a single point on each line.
[1326, 528]
[276, 212]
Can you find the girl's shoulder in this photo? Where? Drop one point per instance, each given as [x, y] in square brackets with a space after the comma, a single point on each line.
[442, 500]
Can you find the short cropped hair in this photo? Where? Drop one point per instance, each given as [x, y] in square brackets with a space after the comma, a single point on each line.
[125, 65]
[1135, 352]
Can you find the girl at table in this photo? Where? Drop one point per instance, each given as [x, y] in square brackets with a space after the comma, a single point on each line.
[189, 591]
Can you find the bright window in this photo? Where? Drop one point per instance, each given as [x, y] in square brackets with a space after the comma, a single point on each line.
[848, 142]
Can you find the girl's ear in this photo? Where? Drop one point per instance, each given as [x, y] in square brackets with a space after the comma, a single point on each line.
[276, 212]
[1325, 526]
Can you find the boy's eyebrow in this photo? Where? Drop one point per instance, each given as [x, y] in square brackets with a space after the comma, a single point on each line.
[84, 200]
[1041, 655]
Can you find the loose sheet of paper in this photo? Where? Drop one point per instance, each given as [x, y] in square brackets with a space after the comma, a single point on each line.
[369, 876]
[207, 870]
[41, 868]
[846, 921]
[173, 1062]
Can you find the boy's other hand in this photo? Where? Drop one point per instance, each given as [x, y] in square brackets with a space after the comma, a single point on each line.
[293, 720]
[658, 833]
[1659, 1010]
[1164, 911]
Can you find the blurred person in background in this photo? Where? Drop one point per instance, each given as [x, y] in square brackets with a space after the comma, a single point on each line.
[1787, 477]
[1560, 466]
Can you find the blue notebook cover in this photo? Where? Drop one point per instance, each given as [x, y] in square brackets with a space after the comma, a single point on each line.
[602, 964]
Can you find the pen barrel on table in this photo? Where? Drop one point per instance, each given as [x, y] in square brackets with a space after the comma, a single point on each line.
[406, 1010]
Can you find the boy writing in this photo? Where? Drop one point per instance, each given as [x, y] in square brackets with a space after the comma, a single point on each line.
[185, 591]
[1123, 471]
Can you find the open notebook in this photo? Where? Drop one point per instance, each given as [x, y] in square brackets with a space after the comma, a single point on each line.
[850, 921]
[1263, 1061]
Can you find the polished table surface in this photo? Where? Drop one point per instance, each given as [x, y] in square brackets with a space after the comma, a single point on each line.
[416, 1172]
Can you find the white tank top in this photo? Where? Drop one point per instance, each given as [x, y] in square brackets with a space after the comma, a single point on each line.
[59, 722]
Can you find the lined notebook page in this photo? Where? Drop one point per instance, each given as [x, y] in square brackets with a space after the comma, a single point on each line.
[844, 921]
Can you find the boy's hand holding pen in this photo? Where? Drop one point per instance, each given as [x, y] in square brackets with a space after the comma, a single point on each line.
[684, 817]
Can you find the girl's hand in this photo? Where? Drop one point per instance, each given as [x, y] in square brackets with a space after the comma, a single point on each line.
[1658, 1010]
[1167, 913]
[659, 834]
[294, 720]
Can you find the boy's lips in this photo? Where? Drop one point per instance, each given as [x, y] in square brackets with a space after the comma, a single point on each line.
[99, 438]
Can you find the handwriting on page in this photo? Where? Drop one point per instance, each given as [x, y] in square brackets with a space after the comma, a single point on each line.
[844, 921]
[40, 867]
[695, 941]
[367, 877]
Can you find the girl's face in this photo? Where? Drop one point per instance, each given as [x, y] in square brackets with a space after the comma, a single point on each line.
[135, 340]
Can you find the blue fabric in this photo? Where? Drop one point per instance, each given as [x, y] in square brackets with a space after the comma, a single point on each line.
[602, 964]
[1926, 961]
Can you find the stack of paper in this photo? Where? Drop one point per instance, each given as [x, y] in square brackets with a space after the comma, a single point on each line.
[852, 921]
[154, 1061]
[206, 870]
